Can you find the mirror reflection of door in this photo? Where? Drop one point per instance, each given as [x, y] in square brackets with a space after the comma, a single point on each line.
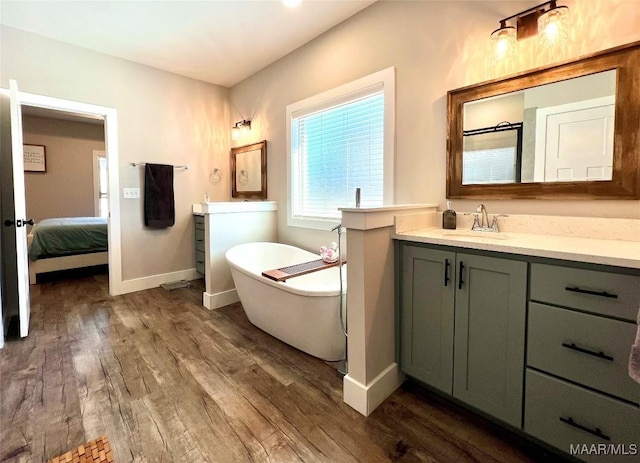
[579, 141]
[249, 171]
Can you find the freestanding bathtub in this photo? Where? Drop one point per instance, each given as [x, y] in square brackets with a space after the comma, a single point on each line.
[302, 311]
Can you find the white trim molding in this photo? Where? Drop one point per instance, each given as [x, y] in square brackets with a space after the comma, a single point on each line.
[365, 398]
[217, 300]
[153, 281]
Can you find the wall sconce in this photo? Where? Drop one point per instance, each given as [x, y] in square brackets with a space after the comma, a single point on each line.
[240, 129]
[505, 38]
[549, 24]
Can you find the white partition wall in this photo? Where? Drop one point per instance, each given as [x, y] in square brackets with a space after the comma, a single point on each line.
[228, 224]
[373, 371]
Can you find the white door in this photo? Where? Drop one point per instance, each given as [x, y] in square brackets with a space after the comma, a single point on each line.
[579, 141]
[20, 208]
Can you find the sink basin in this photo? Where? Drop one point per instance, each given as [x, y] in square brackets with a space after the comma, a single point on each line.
[474, 234]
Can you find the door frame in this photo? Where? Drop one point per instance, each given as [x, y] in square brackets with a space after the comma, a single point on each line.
[96, 180]
[110, 116]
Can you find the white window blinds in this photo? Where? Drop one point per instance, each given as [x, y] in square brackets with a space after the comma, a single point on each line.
[496, 165]
[335, 149]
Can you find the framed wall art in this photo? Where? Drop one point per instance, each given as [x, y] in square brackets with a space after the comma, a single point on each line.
[34, 158]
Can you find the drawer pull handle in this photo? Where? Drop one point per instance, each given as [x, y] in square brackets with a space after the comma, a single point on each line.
[595, 432]
[446, 272]
[460, 281]
[575, 289]
[600, 354]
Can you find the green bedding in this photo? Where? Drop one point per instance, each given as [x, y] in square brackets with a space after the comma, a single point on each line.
[68, 236]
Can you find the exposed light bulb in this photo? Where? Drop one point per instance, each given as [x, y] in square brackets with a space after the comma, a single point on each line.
[505, 38]
[552, 26]
[551, 31]
[502, 47]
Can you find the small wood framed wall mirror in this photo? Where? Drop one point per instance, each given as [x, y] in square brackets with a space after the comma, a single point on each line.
[568, 131]
[249, 171]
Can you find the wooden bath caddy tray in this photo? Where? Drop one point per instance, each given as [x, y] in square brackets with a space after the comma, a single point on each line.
[284, 273]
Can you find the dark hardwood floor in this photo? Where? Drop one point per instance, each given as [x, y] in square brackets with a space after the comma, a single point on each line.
[167, 380]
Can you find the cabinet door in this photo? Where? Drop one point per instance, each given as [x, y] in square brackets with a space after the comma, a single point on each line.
[490, 314]
[426, 314]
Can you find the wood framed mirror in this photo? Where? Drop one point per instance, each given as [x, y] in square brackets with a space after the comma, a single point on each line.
[580, 136]
[249, 171]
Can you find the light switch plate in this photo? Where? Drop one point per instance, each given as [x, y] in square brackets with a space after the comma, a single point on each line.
[131, 193]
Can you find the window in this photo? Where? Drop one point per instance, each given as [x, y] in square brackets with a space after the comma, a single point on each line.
[100, 184]
[495, 165]
[492, 154]
[338, 141]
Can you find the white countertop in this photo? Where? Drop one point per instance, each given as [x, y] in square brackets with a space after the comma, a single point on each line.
[619, 253]
[234, 206]
[390, 207]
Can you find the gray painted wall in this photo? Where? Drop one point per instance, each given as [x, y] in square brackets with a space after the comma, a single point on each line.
[66, 188]
[162, 118]
[435, 46]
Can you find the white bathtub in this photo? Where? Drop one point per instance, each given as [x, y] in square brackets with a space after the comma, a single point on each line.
[304, 311]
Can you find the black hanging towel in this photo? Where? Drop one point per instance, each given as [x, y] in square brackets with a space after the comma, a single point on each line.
[159, 206]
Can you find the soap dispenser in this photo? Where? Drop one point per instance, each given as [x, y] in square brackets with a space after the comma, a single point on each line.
[449, 218]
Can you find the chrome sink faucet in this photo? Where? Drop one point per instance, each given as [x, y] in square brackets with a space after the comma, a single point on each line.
[484, 220]
[481, 221]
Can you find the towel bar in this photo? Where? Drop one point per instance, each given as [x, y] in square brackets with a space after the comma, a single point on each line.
[137, 164]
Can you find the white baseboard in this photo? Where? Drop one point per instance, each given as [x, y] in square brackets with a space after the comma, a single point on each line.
[217, 300]
[365, 399]
[153, 281]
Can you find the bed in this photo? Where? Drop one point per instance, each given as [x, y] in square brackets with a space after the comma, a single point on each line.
[67, 243]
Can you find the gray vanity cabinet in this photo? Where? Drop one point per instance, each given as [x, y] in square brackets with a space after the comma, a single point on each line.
[462, 327]
[581, 325]
[427, 311]
[199, 240]
[490, 314]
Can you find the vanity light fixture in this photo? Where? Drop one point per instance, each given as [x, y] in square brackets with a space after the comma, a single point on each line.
[552, 25]
[505, 38]
[240, 129]
[547, 20]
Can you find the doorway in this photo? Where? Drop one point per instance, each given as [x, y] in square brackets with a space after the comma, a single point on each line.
[71, 109]
[66, 194]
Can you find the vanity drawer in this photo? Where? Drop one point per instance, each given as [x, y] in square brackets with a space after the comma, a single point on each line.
[584, 348]
[199, 240]
[200, 262]
[562, 414]
[589, 290]
[199, 222]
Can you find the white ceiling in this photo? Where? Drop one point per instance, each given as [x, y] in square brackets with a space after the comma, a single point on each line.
[221, 42]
